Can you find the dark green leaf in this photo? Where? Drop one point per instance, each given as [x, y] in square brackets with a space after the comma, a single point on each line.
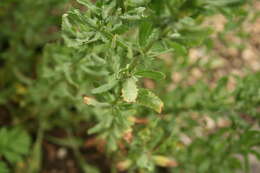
[145, 30]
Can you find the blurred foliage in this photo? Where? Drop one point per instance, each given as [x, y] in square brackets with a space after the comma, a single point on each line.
[111, 72]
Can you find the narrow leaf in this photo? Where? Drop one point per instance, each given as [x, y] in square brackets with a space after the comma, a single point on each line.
[145, 31]
[156, 75]
[105, 87]
[223, 2]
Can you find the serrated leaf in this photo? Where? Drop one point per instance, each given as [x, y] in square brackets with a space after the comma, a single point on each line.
[149, 99]
[105, 87]
[156, 75]
[129, 90]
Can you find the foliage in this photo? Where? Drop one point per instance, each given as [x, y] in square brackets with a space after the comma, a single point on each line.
[96, 74]
[14, 144]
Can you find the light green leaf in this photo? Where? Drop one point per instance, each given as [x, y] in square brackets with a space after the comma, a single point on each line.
[144, 162]
[97, 128]
[156, 75]
[105, 87]
[104, 124]
[130, 90]
[111, 145]
[149, 99]
[222, 2]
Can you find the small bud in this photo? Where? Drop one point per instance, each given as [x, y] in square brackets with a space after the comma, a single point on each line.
[89, 100]
[86, 100]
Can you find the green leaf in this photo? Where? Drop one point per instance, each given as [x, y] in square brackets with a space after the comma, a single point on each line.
[156, 75]
[144, 162]
[14, 144]
[11, 156]
[111, 145]
[4, 139]
[149, 99]
[3, 168]
[105, 87]
[97, 128]
[193, 36]
[178, 48]
[104, 124]
[145, 30]
[129, 90]
[20, 138]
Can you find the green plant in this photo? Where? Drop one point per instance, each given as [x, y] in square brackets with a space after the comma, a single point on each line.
[14, 145]
[98, 75]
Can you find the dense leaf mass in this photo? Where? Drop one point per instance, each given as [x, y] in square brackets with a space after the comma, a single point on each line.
[115, 75]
